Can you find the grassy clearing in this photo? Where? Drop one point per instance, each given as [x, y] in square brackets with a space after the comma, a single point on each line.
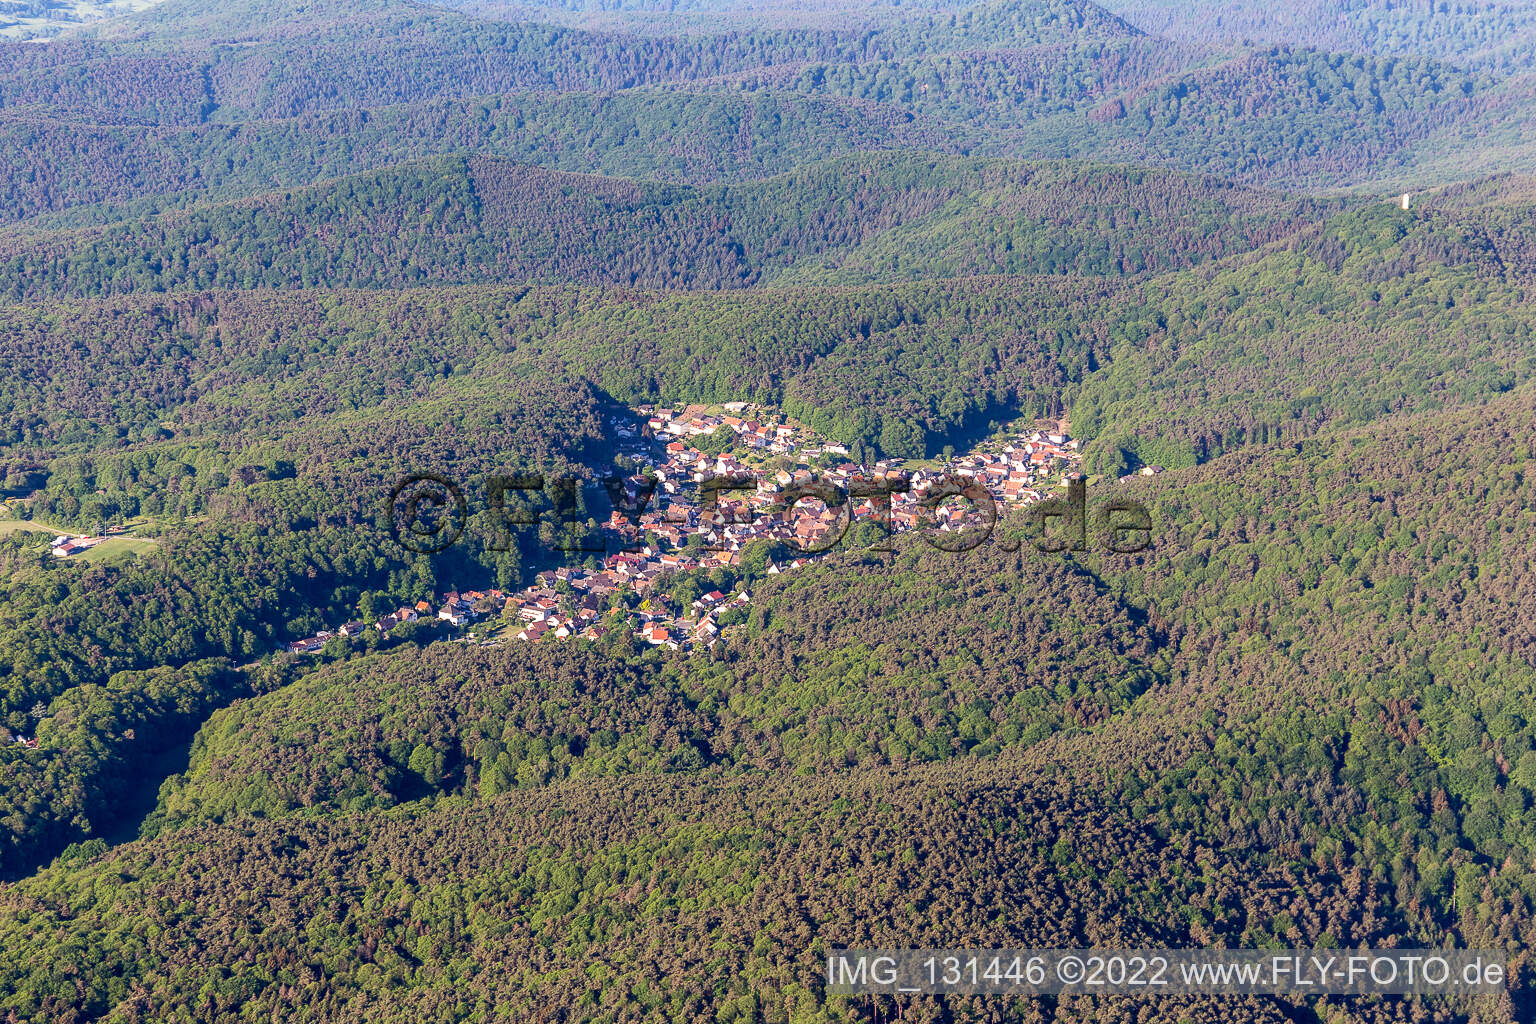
[10, 526]
[115, 550]
[112, 551]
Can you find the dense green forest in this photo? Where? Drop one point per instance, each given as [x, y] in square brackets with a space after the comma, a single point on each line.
[105, 171]
[809, 684]
[1248, 827]
[260, 260]
[462, 221]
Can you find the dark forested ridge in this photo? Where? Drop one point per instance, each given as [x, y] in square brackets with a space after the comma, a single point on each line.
[259, 260]
[478, 220]
[665, 882]
[105, 172]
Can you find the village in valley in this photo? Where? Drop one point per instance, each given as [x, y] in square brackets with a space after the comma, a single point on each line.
[715, 480]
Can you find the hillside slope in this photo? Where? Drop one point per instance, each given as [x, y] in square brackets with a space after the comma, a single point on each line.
[1333, 753]
[482, 220]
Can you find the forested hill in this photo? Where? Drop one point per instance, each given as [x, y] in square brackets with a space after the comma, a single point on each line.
[261, 260]
[1375, 309]
[1362, 783]
[477, 220]
[102, 171]
[154, 98]
[800, 691]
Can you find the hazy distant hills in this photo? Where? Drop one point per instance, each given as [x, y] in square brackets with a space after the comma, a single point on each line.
[1483, 33]
[888, 30]
[1046, 79]
[44, 19]
[169, 120]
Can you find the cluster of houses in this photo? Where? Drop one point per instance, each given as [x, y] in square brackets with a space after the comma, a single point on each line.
[774, 506]
[756, 430]
[543, 611]
[1018, 472]
[657, 541]
[406, 613]
[19, 740]
[587, 607]
[570, 602]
